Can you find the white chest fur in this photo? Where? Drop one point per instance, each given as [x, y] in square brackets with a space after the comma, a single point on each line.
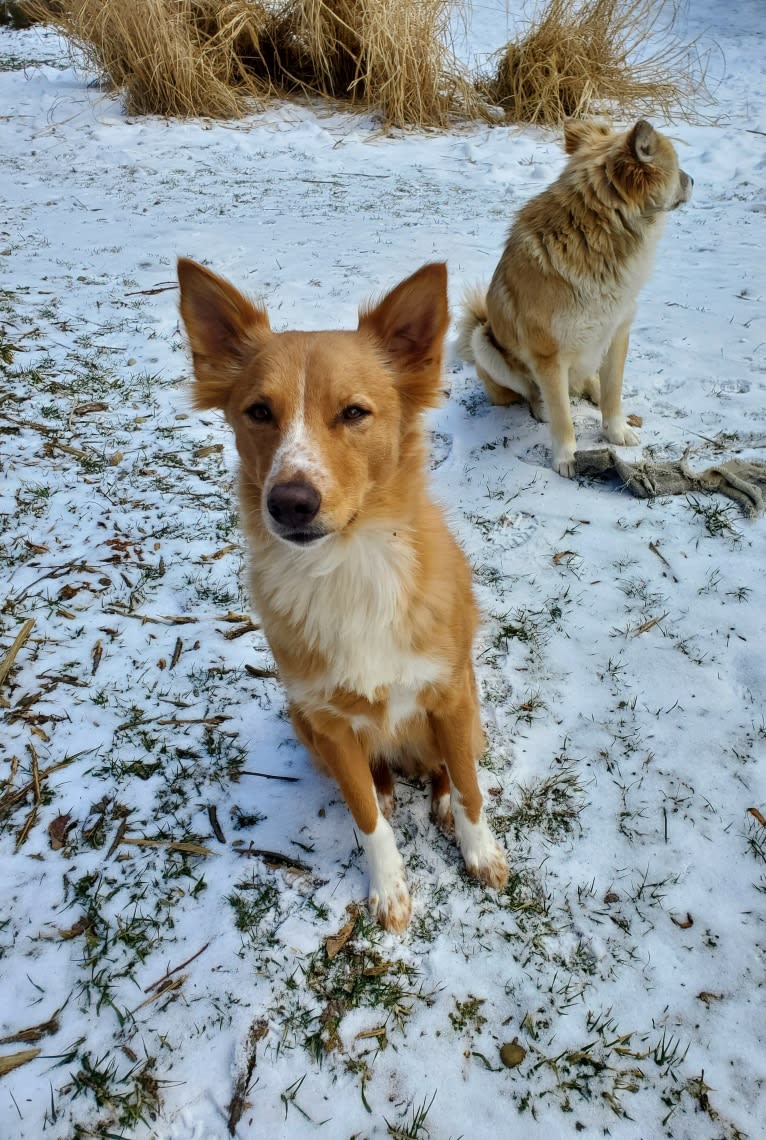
[348, 599]
[587, 327]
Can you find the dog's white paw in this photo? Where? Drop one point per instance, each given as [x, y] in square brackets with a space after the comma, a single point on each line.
[621, 434]
[389, 898]
[564, 462]
[484, 857]
[390, 903]
[489, 866]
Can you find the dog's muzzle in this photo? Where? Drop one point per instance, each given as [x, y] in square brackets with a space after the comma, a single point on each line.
[292, 508]
[686, 182]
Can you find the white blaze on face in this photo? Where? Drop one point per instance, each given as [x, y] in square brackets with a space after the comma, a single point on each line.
[298, 455]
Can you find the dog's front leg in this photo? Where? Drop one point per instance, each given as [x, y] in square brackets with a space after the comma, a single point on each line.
[340, 751]
[455, 735]
[615, 426]
[553, 378]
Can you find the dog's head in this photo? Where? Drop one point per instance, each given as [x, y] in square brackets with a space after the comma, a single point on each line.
[320, 418]
[641, 165]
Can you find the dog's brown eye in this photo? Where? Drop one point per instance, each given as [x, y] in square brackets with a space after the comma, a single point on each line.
[261, 413]
[354, 412]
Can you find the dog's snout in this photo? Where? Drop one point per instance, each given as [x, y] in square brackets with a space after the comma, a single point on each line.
[294, 505]
[684, 192]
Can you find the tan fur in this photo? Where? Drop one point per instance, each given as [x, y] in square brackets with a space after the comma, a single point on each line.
[556, 318]
[368, 606]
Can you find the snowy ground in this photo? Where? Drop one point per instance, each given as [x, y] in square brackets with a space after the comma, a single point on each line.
[164, 906]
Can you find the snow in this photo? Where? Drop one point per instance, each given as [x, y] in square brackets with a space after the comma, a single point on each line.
[639, 885]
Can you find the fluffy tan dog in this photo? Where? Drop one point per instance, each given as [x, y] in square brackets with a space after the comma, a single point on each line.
[363, 593]
[556, 318]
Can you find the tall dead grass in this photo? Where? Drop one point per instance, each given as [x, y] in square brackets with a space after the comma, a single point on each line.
[170, 57]
[582, 58]
[211, 57]
[389, 54]
[214, 57]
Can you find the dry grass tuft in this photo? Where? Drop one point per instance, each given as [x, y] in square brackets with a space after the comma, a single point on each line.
[208, 57]
[392, 55]
[579, 59]
[171, 57]
[213, 57]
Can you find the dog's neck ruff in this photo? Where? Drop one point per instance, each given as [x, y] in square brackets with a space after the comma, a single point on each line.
[347, 599]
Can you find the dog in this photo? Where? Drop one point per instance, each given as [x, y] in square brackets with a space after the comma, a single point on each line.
[363, 593]
[556, 318]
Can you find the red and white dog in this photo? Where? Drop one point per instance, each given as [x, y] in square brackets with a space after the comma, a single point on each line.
[364, 595]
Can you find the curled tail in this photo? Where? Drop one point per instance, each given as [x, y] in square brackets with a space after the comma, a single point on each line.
[503, 375]
[474, 314]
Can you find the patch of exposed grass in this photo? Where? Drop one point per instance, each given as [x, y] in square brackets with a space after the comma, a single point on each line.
[717, 519]
[531, 626]
[359, 976]
[412, 1124]
[551, 808]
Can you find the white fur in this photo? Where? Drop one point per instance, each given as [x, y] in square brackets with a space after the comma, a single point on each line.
[402, 699]
[348, 599]
[402, 706]
[484, 857]
[296, 454]
[487, 357]
[586, 331]
[618, 432]
[389, 896]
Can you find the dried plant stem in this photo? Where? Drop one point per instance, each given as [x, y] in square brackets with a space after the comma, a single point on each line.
[7, 663]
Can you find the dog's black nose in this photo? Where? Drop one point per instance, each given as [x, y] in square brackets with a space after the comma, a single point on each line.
[293, 505]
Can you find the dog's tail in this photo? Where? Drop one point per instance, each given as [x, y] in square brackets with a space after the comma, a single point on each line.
[474, 314]
[504, 376]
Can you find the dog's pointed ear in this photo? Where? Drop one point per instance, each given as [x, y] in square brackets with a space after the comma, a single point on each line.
[221, 325]
[409, 324]
[572, 137]
[642, 141]
[576, 133]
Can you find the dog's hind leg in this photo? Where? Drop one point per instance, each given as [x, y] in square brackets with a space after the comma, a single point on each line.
[589, 388]
[441, 808]
[504, 378]
[500, 397]
[615, 426]
[384, 785]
